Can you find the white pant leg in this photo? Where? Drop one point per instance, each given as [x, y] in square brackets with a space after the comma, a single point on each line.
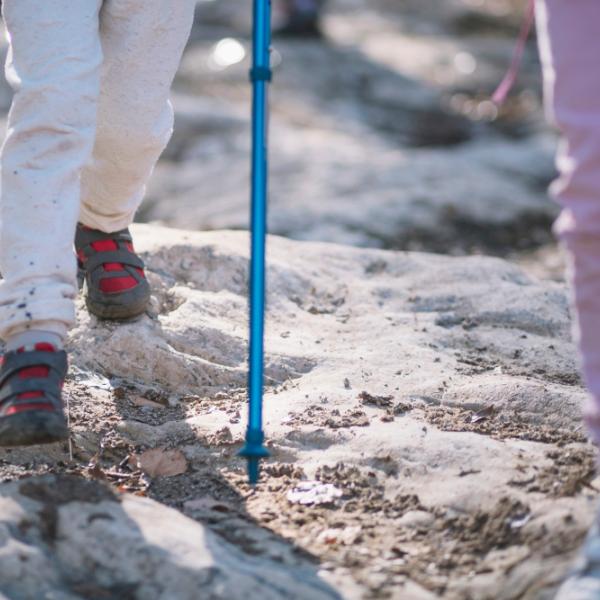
[54, 67]
[143, 41]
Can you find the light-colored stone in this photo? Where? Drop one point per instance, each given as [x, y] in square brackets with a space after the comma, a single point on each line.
[416, 518]
[466, 332]
[79, 540]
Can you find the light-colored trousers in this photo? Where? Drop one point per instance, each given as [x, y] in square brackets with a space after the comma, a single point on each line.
[569, 39]
[90, 117]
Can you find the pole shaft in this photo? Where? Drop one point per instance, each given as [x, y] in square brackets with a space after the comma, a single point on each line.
[261, 64]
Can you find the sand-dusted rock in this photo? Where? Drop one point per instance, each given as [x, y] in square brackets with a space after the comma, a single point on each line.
[443, 386]
[467, 332]
[67, 538]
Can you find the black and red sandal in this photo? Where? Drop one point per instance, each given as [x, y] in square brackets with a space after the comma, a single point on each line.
[115, 283]
[31, 410]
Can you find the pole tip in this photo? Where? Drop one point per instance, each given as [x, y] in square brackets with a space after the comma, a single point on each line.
[253, 452]
[253, 470]
[253, 457]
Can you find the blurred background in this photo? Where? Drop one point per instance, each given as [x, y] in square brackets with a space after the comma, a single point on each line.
[382, 131]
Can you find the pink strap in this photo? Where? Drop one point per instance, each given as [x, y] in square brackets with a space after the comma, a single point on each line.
[507, 83]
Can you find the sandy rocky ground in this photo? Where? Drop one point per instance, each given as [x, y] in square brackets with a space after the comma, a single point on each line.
[423, 411]
[425, 435]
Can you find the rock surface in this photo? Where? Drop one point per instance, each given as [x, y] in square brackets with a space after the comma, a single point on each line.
[423, 414]
[68, 538]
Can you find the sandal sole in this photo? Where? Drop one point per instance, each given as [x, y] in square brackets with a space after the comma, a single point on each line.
[132, 304]
[33, 427]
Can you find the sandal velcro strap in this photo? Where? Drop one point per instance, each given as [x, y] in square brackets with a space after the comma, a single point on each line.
[15, 361]
[47, 385]
[12, 386]
[94, 259]
[122, 256]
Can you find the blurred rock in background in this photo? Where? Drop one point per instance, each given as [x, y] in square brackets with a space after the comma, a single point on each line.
[382, 131]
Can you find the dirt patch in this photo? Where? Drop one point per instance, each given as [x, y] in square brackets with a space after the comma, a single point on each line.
[387, 541]
[463, 236]
[322, 416]
[483, 360]
[459, 544]
[499, 426]
[383, 540]
[573, 469]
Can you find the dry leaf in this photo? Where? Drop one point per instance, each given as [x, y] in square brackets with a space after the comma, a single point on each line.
[379, 401]
[483, 414]
[162, 463]
[95, 471]
[329, 536]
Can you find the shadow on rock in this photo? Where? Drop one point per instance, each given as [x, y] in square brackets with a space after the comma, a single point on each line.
[61, 534]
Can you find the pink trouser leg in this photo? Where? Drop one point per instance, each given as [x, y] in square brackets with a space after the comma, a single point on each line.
[569, 34]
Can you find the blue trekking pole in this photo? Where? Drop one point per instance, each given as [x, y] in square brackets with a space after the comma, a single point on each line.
[260, 76]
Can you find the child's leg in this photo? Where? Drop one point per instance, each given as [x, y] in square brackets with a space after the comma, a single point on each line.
[54, 67]
[570, 47]
[143, 41]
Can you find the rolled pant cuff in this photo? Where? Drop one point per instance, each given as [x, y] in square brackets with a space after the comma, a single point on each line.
[58, 327]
